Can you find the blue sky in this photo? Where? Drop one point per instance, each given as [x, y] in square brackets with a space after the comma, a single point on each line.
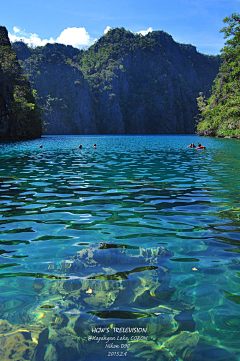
[81, 22]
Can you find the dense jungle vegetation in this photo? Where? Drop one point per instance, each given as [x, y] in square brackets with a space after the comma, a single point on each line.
[220, 114]
[20, 116]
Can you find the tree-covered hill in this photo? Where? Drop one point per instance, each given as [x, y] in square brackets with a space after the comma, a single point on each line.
[124, 83]
[20, 117]
[220, 114]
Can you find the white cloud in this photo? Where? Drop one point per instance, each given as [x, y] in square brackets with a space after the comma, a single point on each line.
[29, 39]
[16, 29]
[145, 32]
[77, 37]
[107, 29]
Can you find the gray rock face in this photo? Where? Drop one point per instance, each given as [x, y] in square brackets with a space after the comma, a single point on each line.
[110, 112]
[66, 100]
[6, 98]
[155, 91]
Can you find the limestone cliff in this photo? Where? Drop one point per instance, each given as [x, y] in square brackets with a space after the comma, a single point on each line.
[6, 98]
[19, 115]
[146, 84]
[63, 93]
[125, 83]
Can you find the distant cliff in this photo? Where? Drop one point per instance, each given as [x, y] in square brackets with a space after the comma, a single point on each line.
[19, 115]
[123, 84]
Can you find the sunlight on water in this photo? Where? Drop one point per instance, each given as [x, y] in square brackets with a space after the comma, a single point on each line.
[136, 240]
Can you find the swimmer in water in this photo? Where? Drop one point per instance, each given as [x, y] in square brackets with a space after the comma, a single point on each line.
[94, 145]
[80, 146]
[40, 146]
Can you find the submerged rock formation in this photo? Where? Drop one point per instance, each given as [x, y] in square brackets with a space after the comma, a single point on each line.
[103, 289]
[107, 300]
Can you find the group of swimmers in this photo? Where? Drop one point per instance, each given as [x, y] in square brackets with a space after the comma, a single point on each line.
[94, 146]
[192, 145]
[80, 146]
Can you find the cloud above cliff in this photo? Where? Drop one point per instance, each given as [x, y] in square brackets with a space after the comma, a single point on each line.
[107, 29]
[145, 32]
[16, 29]
[77, 37]
[31, 39]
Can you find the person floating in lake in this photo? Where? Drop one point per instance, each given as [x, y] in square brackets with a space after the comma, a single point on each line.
[40, 146]
[94, 146]
[80, 146]
[192, 145]
[200, 146]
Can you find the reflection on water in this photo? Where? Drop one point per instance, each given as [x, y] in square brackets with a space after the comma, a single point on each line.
[128, 249]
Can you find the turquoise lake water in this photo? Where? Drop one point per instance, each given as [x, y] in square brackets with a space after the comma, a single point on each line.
[138, 237]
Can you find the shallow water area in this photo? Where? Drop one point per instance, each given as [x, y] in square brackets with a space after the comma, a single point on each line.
[136, 240]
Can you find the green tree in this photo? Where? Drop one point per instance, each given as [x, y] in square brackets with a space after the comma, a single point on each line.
[24, 113]
[221, 115]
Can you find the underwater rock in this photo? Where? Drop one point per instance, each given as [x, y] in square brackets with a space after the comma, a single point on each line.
[105, 279]
[185, 319]
[155, 338]
[179, 347]
[108, 286]
[20, 342]
[67, 345]
[111, 256]
[105, 287]
[39, 343]
[39, 353]
[4, 327]
[112, 276]
[182, 345]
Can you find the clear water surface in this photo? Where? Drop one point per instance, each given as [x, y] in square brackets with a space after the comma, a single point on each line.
[139, 232]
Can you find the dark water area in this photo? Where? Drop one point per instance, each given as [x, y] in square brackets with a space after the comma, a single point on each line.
[130, 249]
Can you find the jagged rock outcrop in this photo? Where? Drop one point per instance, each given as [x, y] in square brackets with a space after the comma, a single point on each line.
[19, 115]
